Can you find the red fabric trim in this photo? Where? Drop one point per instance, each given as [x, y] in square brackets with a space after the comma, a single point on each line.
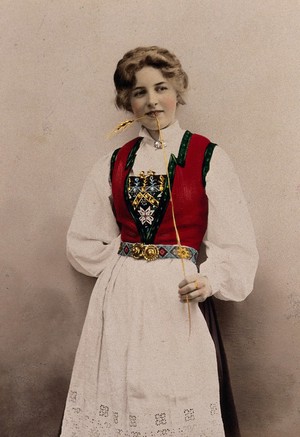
[190, 200]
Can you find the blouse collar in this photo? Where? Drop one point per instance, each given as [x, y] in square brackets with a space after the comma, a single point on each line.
[170, 134]
[148, 157]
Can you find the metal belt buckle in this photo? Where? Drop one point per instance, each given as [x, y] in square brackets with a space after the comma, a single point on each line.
[184, 252]
[137, 250]
[150, 252]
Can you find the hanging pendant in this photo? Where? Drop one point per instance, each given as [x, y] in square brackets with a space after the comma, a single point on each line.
[159, 145]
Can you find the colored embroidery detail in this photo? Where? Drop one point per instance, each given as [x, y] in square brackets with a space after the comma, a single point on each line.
[146, 215]
[144, 193]
[151, 252]
[206, 162]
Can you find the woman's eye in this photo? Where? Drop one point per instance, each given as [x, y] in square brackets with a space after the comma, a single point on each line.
[138, 93]
[161, 88]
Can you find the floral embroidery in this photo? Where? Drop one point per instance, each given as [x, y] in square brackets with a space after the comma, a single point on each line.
[145, 193]
[160, 419]
[108, 423]
[103, 411]
[132, 421]
[163, 432]
[213, 409]
[145, 189]
[189, 414]
[146, 215]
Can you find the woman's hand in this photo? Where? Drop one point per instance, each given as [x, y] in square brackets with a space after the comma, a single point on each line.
[195, 288]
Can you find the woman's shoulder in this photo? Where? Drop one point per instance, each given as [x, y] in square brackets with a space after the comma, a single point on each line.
[217, 162]
[103, 164]
[221, 169]
[100, 169]
[221, 158]
[219, 155]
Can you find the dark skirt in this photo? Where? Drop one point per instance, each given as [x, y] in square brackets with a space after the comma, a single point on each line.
[228, 410]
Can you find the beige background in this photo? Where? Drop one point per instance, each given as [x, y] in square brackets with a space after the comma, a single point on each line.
[57, 60]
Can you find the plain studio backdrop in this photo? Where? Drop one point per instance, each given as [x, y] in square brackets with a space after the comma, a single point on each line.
[57, 62]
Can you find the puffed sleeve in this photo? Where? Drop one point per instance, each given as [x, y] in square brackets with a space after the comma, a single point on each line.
[93, 237]
[231, 251]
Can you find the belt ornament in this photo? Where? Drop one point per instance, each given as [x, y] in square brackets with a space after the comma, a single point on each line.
[151, 252]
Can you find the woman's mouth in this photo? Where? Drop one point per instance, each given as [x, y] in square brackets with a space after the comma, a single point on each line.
[153, 114]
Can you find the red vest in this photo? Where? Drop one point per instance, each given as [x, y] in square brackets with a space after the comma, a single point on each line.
[188, 192]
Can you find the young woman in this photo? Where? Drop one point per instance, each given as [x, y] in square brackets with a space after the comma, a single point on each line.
[146, 363]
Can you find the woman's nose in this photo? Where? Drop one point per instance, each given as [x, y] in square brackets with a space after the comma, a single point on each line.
[152, 98]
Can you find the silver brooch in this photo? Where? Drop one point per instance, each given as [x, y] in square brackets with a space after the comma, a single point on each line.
[159, 145]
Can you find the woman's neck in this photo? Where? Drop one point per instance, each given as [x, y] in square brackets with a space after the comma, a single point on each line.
[155, 133]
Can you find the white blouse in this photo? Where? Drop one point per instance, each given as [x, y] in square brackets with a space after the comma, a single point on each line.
[93, 237]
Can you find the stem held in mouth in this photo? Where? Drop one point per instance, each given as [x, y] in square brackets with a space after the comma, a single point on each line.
[174, 219]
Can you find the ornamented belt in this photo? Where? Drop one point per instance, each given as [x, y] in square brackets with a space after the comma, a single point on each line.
[151, 252]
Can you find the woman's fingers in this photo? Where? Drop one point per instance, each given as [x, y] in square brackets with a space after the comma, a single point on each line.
[193, 297]
[192, 283]
[194, 288]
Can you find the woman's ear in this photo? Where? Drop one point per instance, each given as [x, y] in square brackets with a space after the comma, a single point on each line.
[180, 100]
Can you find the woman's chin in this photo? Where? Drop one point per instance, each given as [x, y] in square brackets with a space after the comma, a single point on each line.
[152, 125]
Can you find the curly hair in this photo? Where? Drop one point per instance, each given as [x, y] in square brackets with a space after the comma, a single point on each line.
[152, 56]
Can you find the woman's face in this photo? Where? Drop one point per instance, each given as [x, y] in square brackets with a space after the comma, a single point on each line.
[153, 96]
